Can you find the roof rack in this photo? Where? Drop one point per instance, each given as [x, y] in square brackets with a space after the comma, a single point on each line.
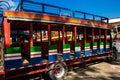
[59, 11]
[41, 8]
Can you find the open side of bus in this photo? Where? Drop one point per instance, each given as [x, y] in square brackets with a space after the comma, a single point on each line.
[35, 43]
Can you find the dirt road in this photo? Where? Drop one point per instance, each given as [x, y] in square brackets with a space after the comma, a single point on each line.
[96, 71]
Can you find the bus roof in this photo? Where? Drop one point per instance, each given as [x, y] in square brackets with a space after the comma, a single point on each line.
[45, 12]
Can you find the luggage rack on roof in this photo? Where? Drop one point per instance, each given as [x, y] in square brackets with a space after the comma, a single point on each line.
[42, 8]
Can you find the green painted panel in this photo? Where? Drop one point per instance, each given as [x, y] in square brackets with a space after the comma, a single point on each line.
[94, 43]
[107, 43]
[35, 48]
[87, 44]
[13, 50]
[65, 46]
[101, 43]
[52, 47]
[77, 45]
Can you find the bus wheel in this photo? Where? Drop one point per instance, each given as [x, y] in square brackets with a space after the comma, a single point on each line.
[57, 71]
[113, 57]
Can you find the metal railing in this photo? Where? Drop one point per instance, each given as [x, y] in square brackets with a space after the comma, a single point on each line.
[38, 7]
[41, 8]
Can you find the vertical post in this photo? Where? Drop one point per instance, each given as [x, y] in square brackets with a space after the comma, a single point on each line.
[75, 34]
[49, 34]
[60, 14]
[92, 34]
[105, 35]
[59, 33]
[31, 34]
[40, 34]
[63, 34]
[6, 29]
[84, 15]
[100, 35]
[43, 8]
[84, 34]
[110, 40]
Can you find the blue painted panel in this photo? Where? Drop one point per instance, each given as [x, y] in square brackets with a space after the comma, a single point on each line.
[94, 51]
[107, 49]
[52, 58]
[13, 63]
[77, 54]
[87, 53]
[36, 60]
[66, 55]
[101, 50]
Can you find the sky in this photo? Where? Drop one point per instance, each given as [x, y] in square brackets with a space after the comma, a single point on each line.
[106, 8]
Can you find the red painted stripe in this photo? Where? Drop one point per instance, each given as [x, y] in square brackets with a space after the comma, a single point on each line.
[12, 56]
[17, 68]
[25, 66]
[7, 70]
[52, 52]
[35, 54]
[87, 48]
[2, 73]
[66, 50]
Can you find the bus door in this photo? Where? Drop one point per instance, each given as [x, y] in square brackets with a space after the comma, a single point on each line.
[40, 39]
[19, 45]
[96, 40]
[56, 38]
[80, 37]
[88, 42]
[70, 38]
[102, 41]
[24, 44]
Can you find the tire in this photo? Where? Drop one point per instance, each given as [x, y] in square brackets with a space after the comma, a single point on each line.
[113, 57]
[57, 71]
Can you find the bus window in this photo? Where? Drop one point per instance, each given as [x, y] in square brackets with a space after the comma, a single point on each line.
[44, 36]
[108, 35]
[118, 29]
[54, 35]
[14, 38]
[89, 33]
[69, 35]
[36, 36]
[102, 37]
[80, 34]
[96, 34]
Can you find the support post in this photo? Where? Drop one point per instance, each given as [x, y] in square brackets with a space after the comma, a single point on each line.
[75, 34]
[99, 35]
[31, 34]
[49, 34]
[92, 34]
[106, 35]
[63, 34]
[6, 30]
[84, 34]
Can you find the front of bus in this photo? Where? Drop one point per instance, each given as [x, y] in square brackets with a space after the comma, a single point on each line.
[5, 5]
[2, 73]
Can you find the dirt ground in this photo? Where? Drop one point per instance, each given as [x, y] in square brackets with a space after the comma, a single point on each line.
[96, 71]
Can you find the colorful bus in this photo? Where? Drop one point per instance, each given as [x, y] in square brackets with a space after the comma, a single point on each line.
[50, 39]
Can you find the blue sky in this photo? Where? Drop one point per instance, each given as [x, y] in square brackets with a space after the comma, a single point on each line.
[106, 8]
